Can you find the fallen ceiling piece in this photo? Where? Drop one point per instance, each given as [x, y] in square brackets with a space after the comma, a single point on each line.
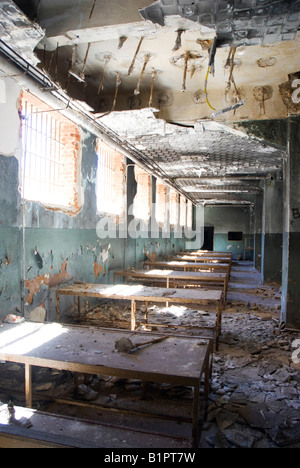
[135, 123]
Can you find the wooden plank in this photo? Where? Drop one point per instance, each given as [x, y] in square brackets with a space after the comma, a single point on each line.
[194, 277]
[177, 277]
[187, 266]
[141, 293]
[198, 259]
[205, 253]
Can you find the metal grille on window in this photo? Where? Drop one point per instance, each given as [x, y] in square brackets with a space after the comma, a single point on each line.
[43, 151]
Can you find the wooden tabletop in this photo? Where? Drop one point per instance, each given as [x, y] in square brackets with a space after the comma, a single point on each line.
[141, 293]
[196, 258]
[182, 265]
[171, 274]
[178, 359]
[205, 253]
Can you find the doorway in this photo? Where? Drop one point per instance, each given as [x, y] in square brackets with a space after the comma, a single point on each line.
[209, 232]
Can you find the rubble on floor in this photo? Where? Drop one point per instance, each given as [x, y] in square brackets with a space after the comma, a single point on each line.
[254, 400]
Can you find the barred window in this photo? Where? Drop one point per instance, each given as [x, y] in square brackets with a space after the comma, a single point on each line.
[189, 215]
[174, 208]
[161, 203]
[110, 180]
[142, 204]
[183, 211]
[51, 164]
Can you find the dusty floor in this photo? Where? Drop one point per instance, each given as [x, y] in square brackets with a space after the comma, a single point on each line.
[255, 395]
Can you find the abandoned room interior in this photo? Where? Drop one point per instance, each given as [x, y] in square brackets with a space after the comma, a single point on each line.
[150, 224]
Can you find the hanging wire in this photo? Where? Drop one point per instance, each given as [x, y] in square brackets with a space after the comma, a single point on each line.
[210, 68]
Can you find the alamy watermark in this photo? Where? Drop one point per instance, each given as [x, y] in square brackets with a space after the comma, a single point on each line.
[296, 93]
[134, 228]
[296, 353]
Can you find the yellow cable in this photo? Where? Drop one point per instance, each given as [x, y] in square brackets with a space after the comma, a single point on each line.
[205, 90]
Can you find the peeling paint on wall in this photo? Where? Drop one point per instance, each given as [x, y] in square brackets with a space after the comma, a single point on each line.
[97, 269]
[35, 285]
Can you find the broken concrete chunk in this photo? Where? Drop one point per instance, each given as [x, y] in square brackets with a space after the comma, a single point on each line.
[254, 415]
[225, 419]
[239, 439]
[37, 315]
[87, 393]
[44, 387]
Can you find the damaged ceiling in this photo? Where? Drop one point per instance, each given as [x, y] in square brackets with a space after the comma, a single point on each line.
[141, 68]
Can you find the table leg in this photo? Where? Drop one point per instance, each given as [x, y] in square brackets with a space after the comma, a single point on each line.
[79, 307]
[146, 311]
[195, 430]
[28, 385]
[133, 311]
[168, 286]
[218, 324]
[57, 307]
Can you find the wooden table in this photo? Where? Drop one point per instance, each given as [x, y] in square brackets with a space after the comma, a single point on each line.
[188, 266]
[140, 293]
[176, 277]
[178, 360]
[198, 259]
[205, 253]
